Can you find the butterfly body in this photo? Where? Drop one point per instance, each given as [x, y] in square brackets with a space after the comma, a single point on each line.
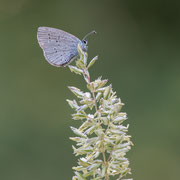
[59, 47]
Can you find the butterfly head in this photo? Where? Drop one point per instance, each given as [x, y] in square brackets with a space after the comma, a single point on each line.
[85, 42]
[84, 45]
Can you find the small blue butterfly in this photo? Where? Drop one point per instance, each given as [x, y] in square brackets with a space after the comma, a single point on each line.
[60, 47]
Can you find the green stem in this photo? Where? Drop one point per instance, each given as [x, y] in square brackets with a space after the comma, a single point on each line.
[96, 108]
[95, 103]
[93, 91]
[119, 177]
[105, 162]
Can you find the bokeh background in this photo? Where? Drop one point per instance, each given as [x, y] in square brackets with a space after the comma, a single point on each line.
[138, 44]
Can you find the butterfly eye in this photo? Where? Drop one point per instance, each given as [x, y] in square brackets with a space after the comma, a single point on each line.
[85, 42]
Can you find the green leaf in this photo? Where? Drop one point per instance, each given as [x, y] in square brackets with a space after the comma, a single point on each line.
[79, 116]
[80, 176]
[75, 69]
[92, 61]
[76, 91]
[73, 104]
[90, 130]
[106, 92]
[80, 64]
[77, 132]
[80, 51]
[90, 86]
[98, 96]
[102, 83]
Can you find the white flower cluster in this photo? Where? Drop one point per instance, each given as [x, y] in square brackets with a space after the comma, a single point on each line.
[101, 140]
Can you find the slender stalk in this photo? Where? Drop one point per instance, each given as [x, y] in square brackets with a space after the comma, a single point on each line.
[93, 91]
[96, 108]
[95, 103]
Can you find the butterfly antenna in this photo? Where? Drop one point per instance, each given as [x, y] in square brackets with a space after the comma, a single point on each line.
[92, 32]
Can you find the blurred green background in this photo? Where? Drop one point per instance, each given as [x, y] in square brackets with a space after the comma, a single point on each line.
[138, 44]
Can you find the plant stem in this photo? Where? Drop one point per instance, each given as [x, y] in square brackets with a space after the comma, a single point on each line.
[93, 91]
[95, 103]
[100, 135]
[105, 162]
[96, 108]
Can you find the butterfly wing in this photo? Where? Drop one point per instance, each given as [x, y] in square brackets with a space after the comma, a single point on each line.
[59, 47]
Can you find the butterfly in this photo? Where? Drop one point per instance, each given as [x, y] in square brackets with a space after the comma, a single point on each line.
[60, 47]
